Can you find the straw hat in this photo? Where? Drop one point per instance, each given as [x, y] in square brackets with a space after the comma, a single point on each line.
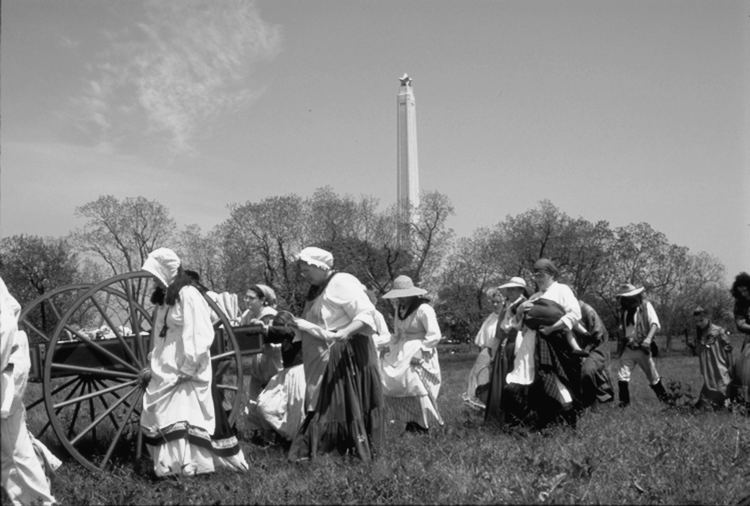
[515, 282]
[629, 290]
[402, 287]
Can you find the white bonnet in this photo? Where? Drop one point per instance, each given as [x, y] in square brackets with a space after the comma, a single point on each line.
[162, 263]
[317, 257]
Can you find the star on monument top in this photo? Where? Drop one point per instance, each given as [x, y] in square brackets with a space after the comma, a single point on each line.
[405, 80]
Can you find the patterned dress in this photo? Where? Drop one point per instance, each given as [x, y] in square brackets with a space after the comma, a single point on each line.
[715, 357]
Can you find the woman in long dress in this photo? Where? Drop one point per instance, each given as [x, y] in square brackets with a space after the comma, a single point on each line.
[259, 368]
[410, 368]
[479, 375]
[344, 394]
[282, 401]
[178, 416]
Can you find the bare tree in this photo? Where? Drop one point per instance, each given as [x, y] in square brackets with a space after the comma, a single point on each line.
[122, 233]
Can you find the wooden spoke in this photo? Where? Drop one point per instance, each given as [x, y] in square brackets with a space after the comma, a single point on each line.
[56, 390]
[101, 383]
[95, 393]
[111, 324]
[92, 370]
[102, 416]
[83, 337]
[233, 388]
[116, 437]
[221, 356]
[29, 326]
[84, 384]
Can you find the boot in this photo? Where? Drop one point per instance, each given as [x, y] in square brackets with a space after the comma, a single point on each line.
[658, 389]
[570, 416]
[624, 393]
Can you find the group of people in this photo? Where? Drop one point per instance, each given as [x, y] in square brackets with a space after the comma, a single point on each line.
[332, 377]
[326, 380]
[545, 356]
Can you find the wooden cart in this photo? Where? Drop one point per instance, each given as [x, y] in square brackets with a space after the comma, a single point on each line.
[91, 386]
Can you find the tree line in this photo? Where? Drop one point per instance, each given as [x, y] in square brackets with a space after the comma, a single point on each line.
[257, 241]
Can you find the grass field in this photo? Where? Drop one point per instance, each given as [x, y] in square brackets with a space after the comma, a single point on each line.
[643, 454]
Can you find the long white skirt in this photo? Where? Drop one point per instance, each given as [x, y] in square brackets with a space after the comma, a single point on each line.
[282, 402]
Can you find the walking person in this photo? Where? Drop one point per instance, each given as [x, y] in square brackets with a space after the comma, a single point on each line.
[182, 430]
[639, 323]
[479, 375]
[410, 368]
[715, 357]
[343, 393]
[515, 291]
[546, 365]
[23, 477]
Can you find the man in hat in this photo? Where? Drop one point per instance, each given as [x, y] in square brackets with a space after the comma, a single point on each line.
[715, 356]
[544, 364]
[639, 324]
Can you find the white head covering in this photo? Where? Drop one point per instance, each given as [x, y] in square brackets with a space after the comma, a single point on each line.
[317, 257]
[269, 295]
[515, 282]
[162, 263]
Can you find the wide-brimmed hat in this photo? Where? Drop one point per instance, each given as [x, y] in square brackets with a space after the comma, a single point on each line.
[402, 287]
[514, 282]
[629, 290]
[162, 263]
[317, 257]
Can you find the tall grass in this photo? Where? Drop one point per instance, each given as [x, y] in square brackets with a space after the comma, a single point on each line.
[643, 454]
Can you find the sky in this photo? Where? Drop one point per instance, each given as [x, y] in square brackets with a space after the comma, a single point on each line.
[628, 112]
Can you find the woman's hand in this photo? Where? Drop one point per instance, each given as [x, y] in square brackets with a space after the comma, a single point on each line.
[336, 335]
[182, 378]
[524, 307]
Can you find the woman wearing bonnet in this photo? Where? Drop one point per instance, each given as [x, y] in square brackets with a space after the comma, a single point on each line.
[178, 417]
[344, 395]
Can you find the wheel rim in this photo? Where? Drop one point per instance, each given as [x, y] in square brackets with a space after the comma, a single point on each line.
[92, 388]
[39, 319]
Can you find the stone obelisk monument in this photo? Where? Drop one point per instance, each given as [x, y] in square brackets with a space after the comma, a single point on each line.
[407, 183]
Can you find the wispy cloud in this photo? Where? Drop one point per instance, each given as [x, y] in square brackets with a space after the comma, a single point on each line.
[175, 71]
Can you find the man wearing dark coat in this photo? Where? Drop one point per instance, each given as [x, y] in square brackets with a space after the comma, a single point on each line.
[593, 338]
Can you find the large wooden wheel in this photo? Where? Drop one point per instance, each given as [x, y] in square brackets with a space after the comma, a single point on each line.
[93, 389]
